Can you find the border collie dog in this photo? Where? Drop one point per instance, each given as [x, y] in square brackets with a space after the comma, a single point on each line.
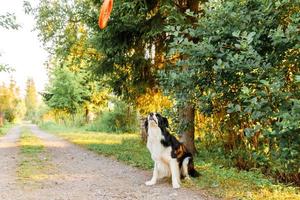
[170, 157]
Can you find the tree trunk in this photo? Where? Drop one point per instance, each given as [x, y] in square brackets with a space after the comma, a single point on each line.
[187, 120]
[187, 111]
[86, 115]
[194, 5]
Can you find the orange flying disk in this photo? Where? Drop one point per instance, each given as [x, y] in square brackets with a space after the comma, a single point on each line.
[105, 11]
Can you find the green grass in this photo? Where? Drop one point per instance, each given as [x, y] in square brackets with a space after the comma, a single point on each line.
[228, 183]
[4, 129]
[233, 184]
[33, 165]
[59, 128]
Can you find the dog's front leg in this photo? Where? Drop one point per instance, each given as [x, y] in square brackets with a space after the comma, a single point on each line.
[154, 177]
[175, 173]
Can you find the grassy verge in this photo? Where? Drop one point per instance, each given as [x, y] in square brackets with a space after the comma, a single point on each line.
[227, 183]
[33, 165]
[4, 129]
[233, 184]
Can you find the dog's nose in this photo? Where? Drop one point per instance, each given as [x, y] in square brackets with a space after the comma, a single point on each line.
[151, 114]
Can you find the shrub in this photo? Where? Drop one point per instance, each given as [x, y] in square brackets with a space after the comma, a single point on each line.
[122, 118]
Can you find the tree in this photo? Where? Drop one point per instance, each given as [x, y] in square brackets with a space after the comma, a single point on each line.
[31, 99]
[65, 91]
[132, 47]
[4, 68]
[11, 105]
[67, 39]
[241, 67]
[186, 108]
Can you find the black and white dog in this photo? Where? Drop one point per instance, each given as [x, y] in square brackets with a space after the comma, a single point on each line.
[170, 157]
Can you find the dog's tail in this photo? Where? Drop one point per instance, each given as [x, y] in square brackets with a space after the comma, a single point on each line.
[188, 167]
[191, 169]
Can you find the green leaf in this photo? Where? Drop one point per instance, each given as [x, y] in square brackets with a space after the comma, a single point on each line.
[245, 90]
[236, 34]
[264, 82]
[297, 78]
[248, 132]
[237, 108]
[250, 37]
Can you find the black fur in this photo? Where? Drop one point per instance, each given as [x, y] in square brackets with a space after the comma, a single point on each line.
[146, 126]
[170, 140]
[191, 169]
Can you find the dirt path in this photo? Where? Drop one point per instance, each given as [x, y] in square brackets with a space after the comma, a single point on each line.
[8, 167]
[81, 174]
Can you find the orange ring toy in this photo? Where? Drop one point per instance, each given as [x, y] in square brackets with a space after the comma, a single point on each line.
[105, 11]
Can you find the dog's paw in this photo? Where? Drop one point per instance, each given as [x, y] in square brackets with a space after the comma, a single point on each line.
[150, 183]
[176, 185]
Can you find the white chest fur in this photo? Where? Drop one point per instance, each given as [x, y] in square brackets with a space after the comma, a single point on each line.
[157, 150]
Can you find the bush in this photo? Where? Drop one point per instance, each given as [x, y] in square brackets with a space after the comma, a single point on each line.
[10, 115]
[122, 118]
[248, 85]
[76, 120]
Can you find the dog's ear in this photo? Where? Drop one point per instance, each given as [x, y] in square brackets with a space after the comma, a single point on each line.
[166, 122]
[146, 125]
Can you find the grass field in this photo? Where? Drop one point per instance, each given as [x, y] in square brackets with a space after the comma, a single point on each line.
[33, 164]
[228, 183]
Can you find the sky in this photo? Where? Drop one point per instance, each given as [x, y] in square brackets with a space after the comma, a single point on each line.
[21, 49]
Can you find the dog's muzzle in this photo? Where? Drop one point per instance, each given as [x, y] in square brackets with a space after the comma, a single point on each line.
[151, 118]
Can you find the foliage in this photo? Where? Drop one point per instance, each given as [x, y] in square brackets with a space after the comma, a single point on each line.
[8, 21]
[56, 127]
[66, 38]
[60, 117]
[5, 128]
[127, 46]
[130, 51]
[31, 101]
[122, 118]
[133, 47]
[11, 104]
[65, 91]
[4, 68]
[153, 101]
[241, 68]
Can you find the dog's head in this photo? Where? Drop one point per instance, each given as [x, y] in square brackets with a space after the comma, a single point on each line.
[156, 120]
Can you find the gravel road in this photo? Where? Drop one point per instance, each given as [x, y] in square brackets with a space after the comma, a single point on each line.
[77, 173]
